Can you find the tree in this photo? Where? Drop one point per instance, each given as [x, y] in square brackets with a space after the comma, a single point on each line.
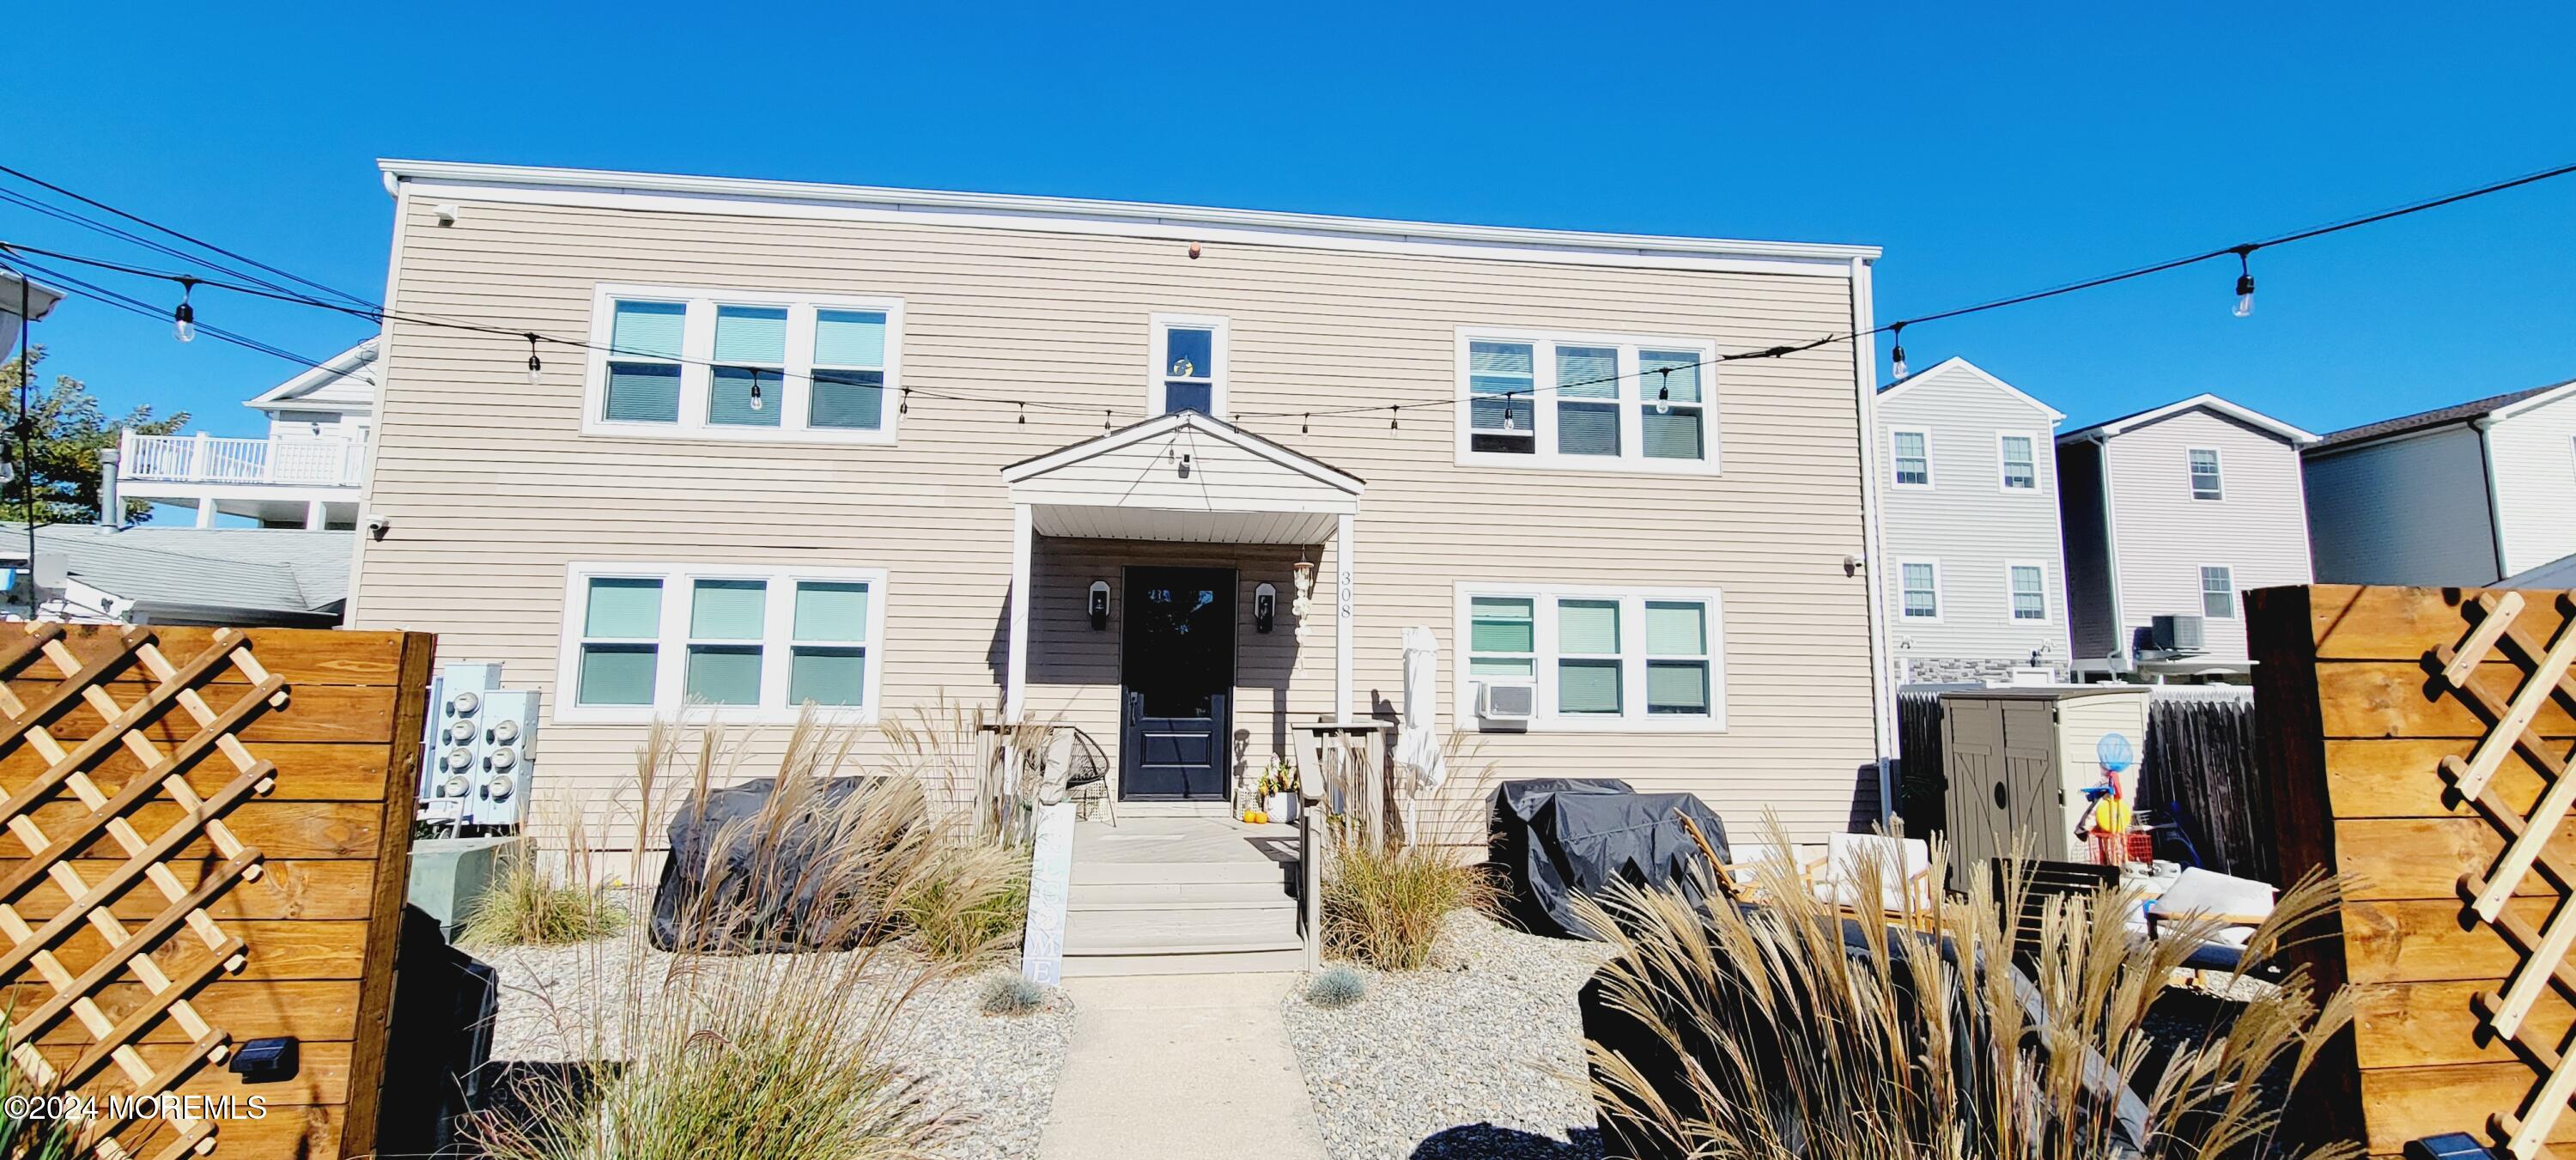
[70, 431]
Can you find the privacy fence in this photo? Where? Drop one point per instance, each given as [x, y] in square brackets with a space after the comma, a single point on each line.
[207, 833]
[2416, 745]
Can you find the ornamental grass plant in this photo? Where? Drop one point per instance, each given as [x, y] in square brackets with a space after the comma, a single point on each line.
[725, 1054]
[1786, 1028]
[1384, 902]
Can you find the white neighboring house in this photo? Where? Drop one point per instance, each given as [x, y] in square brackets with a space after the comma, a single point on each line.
[2460, 495]
[1976, 578]
[305, 474]
[2171, 515]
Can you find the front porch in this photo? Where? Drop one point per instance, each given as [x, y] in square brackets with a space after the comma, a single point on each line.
[1178, 591]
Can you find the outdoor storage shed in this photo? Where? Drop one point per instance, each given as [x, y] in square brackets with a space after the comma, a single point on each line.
[2018, 761]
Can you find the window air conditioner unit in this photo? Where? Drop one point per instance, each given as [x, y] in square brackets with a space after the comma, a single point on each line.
[2181, 634]
[1506, 702]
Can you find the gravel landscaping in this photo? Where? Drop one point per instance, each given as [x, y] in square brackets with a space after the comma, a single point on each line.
[1001, 1069]
[1479, 1056]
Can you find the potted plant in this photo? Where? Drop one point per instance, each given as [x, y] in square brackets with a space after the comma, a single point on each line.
[1279, 791]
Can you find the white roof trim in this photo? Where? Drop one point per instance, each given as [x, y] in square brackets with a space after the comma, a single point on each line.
[339, 366]
[40, 298]
[1147, 218]
[2543, 399]
[1166, 424]
[2234, 411]
[1899, 387]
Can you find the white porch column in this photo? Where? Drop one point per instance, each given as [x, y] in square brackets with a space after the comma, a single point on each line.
[1342, 546]
[206, 512]
[314, 518]
[1016, 668]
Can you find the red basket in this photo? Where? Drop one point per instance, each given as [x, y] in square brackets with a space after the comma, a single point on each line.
[2122, 849]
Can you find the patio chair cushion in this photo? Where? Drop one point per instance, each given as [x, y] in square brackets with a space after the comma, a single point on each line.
[2204, 892]
[1901, 862]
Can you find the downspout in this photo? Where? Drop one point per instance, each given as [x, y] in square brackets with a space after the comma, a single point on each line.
[2121, 637]
[2485, 427]
[1882, 717]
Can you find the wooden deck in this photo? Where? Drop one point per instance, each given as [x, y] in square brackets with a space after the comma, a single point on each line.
[1166, 895]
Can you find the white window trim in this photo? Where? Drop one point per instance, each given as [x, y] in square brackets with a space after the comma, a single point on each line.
[1219, 346]
[1632, 717]
[670, 659]
[2045, 616]
[2235, 592]
[1931, 473]
[2003, 473]
[2191, 482]
[1940, 600]
[1632, 399]
[697, 351]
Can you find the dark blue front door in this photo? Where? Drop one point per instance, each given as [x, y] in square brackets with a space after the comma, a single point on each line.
[1177, 673]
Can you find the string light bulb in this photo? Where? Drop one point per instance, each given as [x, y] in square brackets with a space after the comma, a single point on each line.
[1899, 331]
[903, 405]
[1511, 418]
[536, 366]
[1024, 410]
[755, 388]
[1391, 424]
[1664, 393]
[183, 321]
[1306, 426]
[2244, 281]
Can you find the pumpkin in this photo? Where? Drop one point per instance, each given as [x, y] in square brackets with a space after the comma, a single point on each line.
[1256, 817]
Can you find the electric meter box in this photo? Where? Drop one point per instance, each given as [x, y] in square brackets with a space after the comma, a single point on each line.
[2018, 761]
[478, 753]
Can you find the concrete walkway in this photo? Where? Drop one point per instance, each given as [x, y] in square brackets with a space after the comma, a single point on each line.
[1180, 1066]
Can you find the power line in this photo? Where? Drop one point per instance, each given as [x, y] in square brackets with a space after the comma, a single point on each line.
[132, 305]
[201, 243]
[23, 201]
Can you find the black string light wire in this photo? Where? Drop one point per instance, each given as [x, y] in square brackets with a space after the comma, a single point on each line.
[2242, 252]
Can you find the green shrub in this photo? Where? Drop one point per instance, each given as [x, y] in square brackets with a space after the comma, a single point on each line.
[1010, 994]
[1384, 903]
[1339, 985]
[969, 903]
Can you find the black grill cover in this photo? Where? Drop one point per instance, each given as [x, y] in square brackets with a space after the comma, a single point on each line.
[1558, 837]
[756, 908]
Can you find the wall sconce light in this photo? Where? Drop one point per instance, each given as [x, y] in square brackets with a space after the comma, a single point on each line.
[1099, 605]
[1265, 608]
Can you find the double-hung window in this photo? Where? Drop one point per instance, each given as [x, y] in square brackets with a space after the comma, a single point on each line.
[751, 365]
[1919, 583]
[2218, 592]
[1912, 451]
[1601, 659]
[1585, 401]
[740, 644]
[2027, 586]
[2206, 482]
[2020, 454]
[1188, 371]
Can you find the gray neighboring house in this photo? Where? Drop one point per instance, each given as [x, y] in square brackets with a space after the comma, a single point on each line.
[149, 575]
[2174, 513]
[2459, 495]
[1968, 524]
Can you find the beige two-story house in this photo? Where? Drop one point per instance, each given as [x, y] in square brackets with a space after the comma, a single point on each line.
[882, 450]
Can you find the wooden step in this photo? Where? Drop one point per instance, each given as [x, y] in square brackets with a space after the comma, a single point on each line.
[1178, 930]
[1149, 894]
[1289, 956]
[1147, 873]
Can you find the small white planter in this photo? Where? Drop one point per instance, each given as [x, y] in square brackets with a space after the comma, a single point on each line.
[1282, 808]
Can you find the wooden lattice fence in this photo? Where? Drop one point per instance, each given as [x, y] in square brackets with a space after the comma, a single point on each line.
[206, 840]
[2417, 742]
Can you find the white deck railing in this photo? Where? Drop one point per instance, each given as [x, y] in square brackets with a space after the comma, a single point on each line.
[207, 459]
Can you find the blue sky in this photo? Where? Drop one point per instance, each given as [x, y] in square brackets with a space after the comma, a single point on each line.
[1989, 152]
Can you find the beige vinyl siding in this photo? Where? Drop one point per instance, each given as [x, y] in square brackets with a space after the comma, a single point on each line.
[492, 490]
[2164, 536]
[2535, 481]
[2409, 510]
[1968, 522]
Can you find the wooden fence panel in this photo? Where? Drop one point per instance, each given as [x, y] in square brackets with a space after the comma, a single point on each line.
[207, 843]
[2417, 742]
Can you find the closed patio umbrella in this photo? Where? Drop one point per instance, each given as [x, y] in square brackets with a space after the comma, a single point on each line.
[1417, 736]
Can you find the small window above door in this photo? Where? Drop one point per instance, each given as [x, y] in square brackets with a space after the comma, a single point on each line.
[1188, 369]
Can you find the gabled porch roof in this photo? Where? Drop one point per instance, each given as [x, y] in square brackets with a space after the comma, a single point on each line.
[1186, 477]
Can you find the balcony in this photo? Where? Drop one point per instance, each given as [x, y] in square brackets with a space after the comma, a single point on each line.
[276, 482]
